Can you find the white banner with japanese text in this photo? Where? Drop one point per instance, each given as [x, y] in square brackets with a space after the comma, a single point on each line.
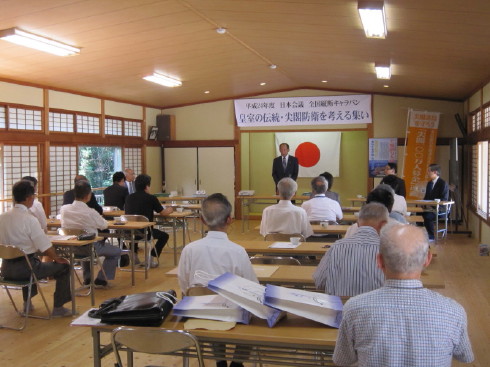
[348, 109]
[420, 151]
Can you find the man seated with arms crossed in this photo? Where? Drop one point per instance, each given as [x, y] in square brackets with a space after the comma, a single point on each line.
[144, 203]
[215, 254]
[79, 216]
[284, 217]
[349, 267]
[320, 207]
[402, 323]
[21, 229]
[115, 195]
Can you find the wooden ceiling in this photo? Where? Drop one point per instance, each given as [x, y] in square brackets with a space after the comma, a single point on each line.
[437, 48]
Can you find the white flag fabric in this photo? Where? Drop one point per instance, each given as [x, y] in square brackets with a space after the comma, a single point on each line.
[317, 152]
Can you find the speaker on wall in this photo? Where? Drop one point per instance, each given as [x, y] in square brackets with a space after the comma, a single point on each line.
[165, 124]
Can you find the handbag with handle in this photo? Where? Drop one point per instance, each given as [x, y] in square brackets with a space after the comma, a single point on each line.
[140, 309]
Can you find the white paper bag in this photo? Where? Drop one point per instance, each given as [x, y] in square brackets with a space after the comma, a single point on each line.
[212, 307]
[247, 294]
[311, 305]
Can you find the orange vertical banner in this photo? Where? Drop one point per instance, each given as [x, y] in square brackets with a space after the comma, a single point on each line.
[420, 151]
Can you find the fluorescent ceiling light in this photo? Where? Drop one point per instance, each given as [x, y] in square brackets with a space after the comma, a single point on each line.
[40, 43]
[383, 71]
[373, 18]
[163, 80]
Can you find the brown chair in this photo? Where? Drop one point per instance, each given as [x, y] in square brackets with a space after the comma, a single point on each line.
[274, 260]
[155, 341]
[283, 236]
[8, 253]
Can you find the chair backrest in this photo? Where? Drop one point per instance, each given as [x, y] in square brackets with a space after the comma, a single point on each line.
[283, 236]
[274, 260]
[71, 231]
[10, 252]
[134, 218]
[153, 341]
[330, 222]
[199, 291]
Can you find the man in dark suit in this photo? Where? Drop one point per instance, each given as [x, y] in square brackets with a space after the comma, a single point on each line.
[115, 195]
[436, 188]
[285, 165]
[69, 196]
[390, 169]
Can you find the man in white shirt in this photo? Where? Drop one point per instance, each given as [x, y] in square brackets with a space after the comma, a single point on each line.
[79, 216]
[213, 255]
[21, 229]
[37, 208]
[320, 207]
[284, 217]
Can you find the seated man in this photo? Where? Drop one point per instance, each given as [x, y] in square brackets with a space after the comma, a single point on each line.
[400, 203]
[284, 217]
[349, 267]
[436, 188]
[115, 195]
[320, 207]
[79, 216]
[402, 323]
[390, 169]
[330, 194]
[385, 197]
[143, 203]
[69, 196]
[215, 254]
[21, 229]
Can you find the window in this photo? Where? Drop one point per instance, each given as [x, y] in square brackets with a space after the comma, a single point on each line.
[132, 128]
[63, 168]
[482, 179]
[113, 126]
[88, 124]
[132, 159]
[16, 161]
[98, 164]
[24, 119]
[63, 122]
[486, 116]
[3, 119]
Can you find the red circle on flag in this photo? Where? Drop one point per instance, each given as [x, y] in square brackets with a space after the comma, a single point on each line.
[308, 154]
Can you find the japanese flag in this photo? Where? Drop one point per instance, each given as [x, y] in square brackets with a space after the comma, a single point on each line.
[317, 152]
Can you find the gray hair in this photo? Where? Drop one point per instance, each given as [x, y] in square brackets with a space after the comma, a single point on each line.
[373, 212]
[215, 211]
[404, 248]
[387, 188]
[319, 185]
[287, 187]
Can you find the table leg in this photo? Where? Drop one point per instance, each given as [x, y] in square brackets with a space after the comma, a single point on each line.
[147, 253]
[133, 255]
[92, 285]
[184, 223]
[96, 347]
[174, 229]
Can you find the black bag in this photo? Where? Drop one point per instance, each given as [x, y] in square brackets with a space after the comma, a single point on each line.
[140, 309]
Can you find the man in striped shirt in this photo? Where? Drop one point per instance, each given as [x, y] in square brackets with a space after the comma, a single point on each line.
[349, 267]
[403, 323]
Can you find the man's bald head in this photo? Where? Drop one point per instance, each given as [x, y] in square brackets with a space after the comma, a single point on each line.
[404, 249]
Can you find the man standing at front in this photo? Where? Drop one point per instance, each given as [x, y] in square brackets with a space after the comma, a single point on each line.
[21, 229]
[285, 165]
[436, 188]
[403, 323]
[129, 173]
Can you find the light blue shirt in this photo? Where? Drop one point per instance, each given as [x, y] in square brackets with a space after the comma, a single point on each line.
[402, 324]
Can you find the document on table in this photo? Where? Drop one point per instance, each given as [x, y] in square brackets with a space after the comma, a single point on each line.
[60, 237]
[283, 245]
[264, 271]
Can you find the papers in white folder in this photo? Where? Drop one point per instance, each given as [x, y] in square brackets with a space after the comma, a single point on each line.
[311, 305]
[212, 307]
[283, 245]
[245, 293]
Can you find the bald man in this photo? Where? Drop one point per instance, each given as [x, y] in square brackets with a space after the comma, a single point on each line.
[403, 323]
[69, 196]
